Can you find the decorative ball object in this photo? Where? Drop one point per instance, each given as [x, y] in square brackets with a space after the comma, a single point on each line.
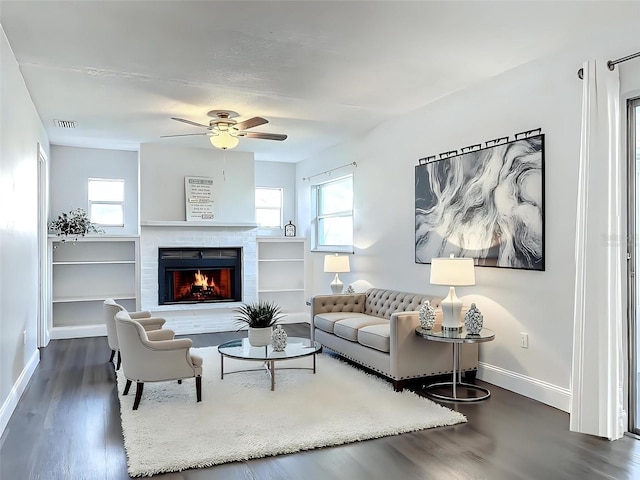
[473, 320]
[427, 316]
[349, 290]
[279, 339]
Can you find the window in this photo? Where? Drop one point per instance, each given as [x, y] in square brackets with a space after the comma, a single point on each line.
[332, 203]
[106, 202]
[269, 207]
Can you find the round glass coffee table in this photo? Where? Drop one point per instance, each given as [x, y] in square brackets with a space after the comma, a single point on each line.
[241, 349]
[456, 338]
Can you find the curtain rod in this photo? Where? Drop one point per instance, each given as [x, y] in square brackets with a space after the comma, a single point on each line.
[612, 63]
[354, 164]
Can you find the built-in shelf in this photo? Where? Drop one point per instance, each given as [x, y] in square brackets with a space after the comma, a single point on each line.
[83, 274]
[282, 274]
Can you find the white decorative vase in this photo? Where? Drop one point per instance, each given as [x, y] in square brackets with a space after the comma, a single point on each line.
[473, 320]
[260, 337]
[279, 339]
[427, 315]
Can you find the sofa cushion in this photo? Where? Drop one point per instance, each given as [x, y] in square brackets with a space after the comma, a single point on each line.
[325, 321]
[348, 328]
[375, 336]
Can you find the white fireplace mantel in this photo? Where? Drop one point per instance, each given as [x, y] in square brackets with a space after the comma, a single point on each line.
[191, 224]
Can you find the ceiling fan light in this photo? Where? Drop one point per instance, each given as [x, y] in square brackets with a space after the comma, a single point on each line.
[224, 141]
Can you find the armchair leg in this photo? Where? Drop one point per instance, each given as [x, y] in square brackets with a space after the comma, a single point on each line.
[127, 387]
[199, 388]
[113, 353]
[139, 387]
[119, 360]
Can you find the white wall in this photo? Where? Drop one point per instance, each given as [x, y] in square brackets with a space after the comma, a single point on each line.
[20, 132]
[71, 168]
[279, 175]
[546, 94]
[162, 172]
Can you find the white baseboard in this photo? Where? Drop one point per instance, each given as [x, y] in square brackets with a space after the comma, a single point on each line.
[18, 388]
[544, 392]
[59, 333]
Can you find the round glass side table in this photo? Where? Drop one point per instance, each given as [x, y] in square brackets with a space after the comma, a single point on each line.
[456, 338]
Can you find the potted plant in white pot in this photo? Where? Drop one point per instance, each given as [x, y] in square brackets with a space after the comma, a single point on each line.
[260, 317]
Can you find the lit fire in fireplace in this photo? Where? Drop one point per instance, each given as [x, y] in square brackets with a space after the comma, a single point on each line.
[199, 285]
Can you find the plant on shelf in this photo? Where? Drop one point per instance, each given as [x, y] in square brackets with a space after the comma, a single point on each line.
[260, 317]
[71, 225]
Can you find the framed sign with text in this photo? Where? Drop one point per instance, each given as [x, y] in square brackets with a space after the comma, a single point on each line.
[199, 198]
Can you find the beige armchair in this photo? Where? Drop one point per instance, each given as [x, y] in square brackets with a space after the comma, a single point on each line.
[159, 360]
[110, 308]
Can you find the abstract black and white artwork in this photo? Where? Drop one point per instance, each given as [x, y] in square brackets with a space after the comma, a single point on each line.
[487, 204]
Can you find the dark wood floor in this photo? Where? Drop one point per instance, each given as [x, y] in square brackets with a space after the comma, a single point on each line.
[67, 427]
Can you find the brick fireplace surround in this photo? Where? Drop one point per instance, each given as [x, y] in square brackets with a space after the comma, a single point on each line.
[199, 317]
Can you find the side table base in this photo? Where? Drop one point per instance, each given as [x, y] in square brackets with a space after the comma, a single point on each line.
[428, 390]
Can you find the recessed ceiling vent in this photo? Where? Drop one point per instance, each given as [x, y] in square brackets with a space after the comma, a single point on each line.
[65, 123]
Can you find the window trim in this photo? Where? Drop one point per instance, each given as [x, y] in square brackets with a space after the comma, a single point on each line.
[315, 221]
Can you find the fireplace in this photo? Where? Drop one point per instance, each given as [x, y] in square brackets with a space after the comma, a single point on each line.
[199, 275]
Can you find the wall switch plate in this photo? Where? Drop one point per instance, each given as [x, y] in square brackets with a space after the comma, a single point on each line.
[24, 337]
[524, 340]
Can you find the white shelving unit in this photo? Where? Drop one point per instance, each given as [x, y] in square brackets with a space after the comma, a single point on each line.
[282, 274]
[83, 274]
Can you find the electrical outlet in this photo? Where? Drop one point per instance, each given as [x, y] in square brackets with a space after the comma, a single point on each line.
[524, 340]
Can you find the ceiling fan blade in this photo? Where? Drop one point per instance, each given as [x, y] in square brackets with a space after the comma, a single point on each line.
[264, 136]
[184, 135]
[189, 122]
[250, 123]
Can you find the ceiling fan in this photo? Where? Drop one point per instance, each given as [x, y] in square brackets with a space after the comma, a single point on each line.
[223, 131]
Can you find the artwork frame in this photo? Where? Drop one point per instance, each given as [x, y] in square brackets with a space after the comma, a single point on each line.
[486, 204]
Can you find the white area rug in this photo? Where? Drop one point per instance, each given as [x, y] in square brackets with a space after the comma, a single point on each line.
[240, 418]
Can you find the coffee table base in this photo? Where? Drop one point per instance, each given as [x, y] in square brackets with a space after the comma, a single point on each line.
[268, 366]
[454, 386]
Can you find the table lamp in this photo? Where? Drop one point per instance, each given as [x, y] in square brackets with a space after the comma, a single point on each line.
[454, 272]
[336, 264]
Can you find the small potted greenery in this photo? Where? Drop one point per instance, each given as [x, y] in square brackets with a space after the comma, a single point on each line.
[72, 225]
[260, 317]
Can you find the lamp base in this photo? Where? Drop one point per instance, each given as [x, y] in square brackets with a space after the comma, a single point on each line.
[451, 311]
[336, 286]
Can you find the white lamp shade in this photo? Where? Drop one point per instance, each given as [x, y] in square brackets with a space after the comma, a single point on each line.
[452, 271]
[224, 141]
[336, 263]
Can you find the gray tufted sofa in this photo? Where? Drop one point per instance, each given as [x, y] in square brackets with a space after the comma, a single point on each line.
[376, 329]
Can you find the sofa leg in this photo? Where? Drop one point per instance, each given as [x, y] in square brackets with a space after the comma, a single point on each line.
[470, 376]
[139, 387]
[127, 387]
[180, 382]
[199, 388]
[398, 385]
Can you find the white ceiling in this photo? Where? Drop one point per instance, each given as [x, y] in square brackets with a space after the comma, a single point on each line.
[319, 71]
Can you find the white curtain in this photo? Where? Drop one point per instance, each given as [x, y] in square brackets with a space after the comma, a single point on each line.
[597, 406]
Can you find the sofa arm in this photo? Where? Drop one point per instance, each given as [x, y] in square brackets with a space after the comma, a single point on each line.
[337, 303]
[412, 355]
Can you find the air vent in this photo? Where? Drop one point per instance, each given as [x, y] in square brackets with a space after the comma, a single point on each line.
[65, 123]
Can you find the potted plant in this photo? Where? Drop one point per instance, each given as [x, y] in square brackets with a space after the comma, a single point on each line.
[72, 225]
[260, 317]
